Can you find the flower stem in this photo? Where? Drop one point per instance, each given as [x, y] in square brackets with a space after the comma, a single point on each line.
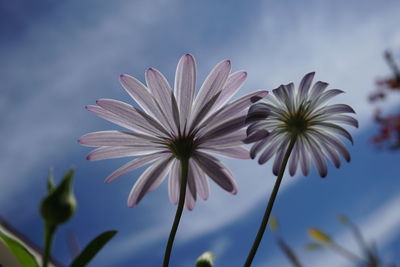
[48, 239]
[271, 201]
[181, 202]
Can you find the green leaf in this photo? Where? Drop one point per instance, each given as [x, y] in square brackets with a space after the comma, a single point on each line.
[92, 249]
[24, 257]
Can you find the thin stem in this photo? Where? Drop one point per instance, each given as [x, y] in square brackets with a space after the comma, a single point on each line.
[346, 253]
[181, 202]
[48, 239]
[271, 201]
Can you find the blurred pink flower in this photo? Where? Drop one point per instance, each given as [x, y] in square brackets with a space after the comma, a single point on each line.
[176, 124]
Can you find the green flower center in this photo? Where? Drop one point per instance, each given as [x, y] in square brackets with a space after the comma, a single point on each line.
[182, 147]
[297, 124]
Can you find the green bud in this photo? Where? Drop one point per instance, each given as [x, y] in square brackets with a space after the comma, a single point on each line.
[205, 260]
[50, 181]
[59, 205]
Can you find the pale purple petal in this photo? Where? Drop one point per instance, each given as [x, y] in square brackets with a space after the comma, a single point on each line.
[107, 152]
[230, 140]
[294, 158]
[334, 109]
[174, 181]
[129, 113]
[335, 129]
[132, 165]
[232, 86]
[317, 89]
[280, 153]
[231, 152]
[304, 157]
[326, 96]
[256, 136]
[149, 180]
[336, 143]
[111, 117]
[223, 129]
[258, 146]
[111, 138]
[328, 149]
[138, 92]
[305, 85]
[185, 84]
[164, 96]
[218, 172]
[271, 149]
[212, 85]
[345, 119]
[191, 191]
[233, 108]
[318, 157]
[200, 178]
[190, 200]
[257, 112]
[201, 115]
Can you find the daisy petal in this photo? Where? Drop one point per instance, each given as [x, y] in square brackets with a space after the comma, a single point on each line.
[212, 85]
[336, 129]
[317, 89]
[279, 157]
[129, 113]
[256, 136]
[334, 109]
[293, 160]
[111, 117]
[233, 139]
[174, 182]
[305, 85]
[185, 82]
[216, 171]
[110, 152]
[138, 92]
[304, 157]
[233, 108]
[200, 179]
[319, 160]
[132, 165]
[270, 150]
[149, 180]
[345, 119]
[162, 92]
[232, 85]
[112, 138]
[231, 152]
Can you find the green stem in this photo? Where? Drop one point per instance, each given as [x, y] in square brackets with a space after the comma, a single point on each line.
[48, 239]
[271, 201]
[181, 202]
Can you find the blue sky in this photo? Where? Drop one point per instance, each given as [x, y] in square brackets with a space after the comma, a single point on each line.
[59, 56]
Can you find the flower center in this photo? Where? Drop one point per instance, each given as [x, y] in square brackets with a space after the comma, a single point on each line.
[297, 124]
[182, 147]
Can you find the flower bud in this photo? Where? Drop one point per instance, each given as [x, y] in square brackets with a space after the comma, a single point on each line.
[59, 205]
[205, 260]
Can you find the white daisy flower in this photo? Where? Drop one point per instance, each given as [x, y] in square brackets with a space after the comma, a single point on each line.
[301, 115]
[173, 126]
